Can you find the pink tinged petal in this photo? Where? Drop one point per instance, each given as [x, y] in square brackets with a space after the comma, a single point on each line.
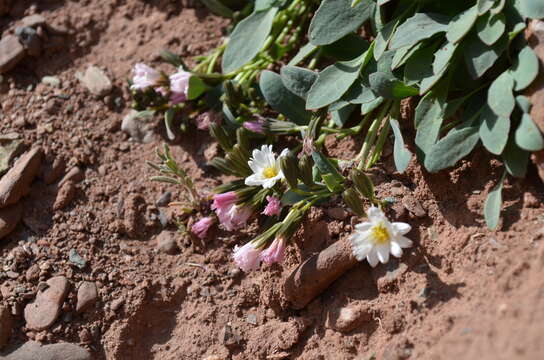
[275, 253]
[383, 253]
[255, 126]
[144, 76]
[403, 241]
[372, 258]
[273, 207]
[221, 201]
[201, 227]
[247, 257]
[402, 228]
[396, 250]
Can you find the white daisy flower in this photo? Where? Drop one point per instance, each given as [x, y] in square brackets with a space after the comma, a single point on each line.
[378, 237]
[265, 166]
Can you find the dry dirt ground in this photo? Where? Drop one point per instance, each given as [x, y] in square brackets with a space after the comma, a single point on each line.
[462, 292]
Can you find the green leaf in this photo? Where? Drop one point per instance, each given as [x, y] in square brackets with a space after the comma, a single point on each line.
[261, 5]
[217, 8]
[493, 204]
[169, 123]
[281, 99]
[359, 94]
[429, 117]
[430, 108]
[196, 87]
[442, 58]
[525, 69]
[524, 103]
[533, 9]
[347, 48]
[383, 37]
[500, 96]
[491, 27]
[479, 57]
[336, 18]
[452, 148]
[515, 159]
[340, 117]
[419, 27]
[493, 131]
[331, 182]
[403, 54]
[247, 39]
[302, 54]
[401, 154]
[325, 166]
[484, 6]
[461, 24]
[333, 82]
[371, 106]
[291, 197]
[298, 80]
[389, 87]
[528, 135]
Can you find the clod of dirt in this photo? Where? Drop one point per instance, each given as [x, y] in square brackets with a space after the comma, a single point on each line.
[45, 309]
[166, 243]
[6, 325]
[75, 175]
[34, 351]
[348, 318]
[87, 294]
[9, 149]
[66, 194]
[9, 218]
[16, 183]
[95, 80]
[337, 213]
[51, 172]
[138, 127]
[11, 52]
[314, 275]
[133, 220]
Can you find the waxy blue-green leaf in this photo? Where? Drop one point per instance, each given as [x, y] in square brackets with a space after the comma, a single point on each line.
[452, 148]
[336, 18]
[419, 27]
[515, 159]
[493, 131]
[490, 28]
[484, 6]
[479, 57]
[528, 136]
[525, 68]
[325, 166]
[247, 39]
[217, 8]
[298, 80]
[302, 54]
[347, 48]
[403, 54]
[389, 87]
[340, 117]
[383, 37]
[442, 57]
[261, 5]
[516, 30]
[500, 96]
[281, 99]
[196, 87]
[493, 204]
[419, 65]
[371, 106]
[359, 94]
[461, 24]
[401, 155]
[498, 7]
[524, 103]
[169, 123]
[533, 9]
[428, 118]
[333, 82]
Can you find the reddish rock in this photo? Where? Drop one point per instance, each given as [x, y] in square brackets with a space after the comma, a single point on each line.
[16, 183]
[87, 294]
[53, 171]
[34, 351]
[42, 313]
[11, 52]
[9, 218]
[66, 194]
[75, 175]
[166, 243]
[6, 325]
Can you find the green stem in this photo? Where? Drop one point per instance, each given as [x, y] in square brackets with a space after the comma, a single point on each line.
[371, 136]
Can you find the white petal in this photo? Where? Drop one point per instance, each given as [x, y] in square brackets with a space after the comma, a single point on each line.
[253, 180]
[361, 251]
[396, 250]
[403, 241]
[402, 228]
[383, 253]
[376, 215]
[372, 258]
[364, 226]
[360, 238]
[268, 183]
[254, 166]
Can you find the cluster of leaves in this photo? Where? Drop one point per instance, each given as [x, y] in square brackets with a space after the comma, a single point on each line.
[467, 63]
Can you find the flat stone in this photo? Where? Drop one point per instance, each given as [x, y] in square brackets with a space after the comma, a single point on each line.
[33, 20]
[32, 350]
[87, 294]
[6, 325]
[16, 183]
[74, 175]
[9, 218]
[166, 243]
[95, 80]
[42, 313]
[52, 81]
[348, 318]
[11, 52]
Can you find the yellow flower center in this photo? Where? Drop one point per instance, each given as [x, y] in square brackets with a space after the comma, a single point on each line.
[380, 235]
[269, 172]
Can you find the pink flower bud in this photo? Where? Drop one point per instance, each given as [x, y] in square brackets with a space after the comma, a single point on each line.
[201, 227]
[221, 201]
[273, 207]
[144, 77]
[231, 216]
[275, 252]
[247, 257]
[204, 120]
[255, 126]
[179, 86]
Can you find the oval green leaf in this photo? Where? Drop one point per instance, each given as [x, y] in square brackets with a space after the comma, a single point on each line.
[401, 155]
[500, 96]
[461, 24]
[525, 69]
[419, 27]
[494, 131]
[298, 80]
[533, 9]
[452, 148]
[528, 136]
[493, 204]
[491, 27]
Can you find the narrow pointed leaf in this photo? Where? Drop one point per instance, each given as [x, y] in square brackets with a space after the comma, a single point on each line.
[401, 154]
[494, 131]
[493, 204]
[419, 27]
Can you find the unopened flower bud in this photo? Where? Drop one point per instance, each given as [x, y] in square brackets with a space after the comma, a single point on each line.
[362, 183]
[221, 136]
[305, 166]
[290, 170]
[352, 199]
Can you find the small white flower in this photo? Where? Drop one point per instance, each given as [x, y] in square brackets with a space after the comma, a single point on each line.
[378, 237]
[265, 166]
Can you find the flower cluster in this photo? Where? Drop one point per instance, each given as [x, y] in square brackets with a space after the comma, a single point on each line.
[174, 87]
